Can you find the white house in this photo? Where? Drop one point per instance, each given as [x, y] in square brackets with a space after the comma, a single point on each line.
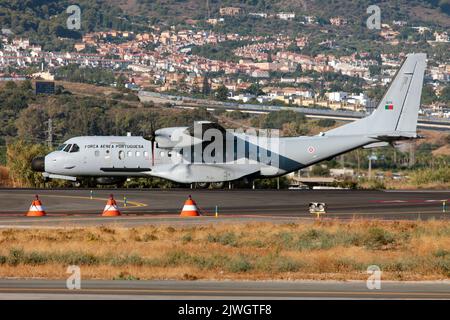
[244, 97]
[441, 37]
[337, 96]
[286, 15]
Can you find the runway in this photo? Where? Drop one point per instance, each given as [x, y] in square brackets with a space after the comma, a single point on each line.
[76, 207]
[215, 290]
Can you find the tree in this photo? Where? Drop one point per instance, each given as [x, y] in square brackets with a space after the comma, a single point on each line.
[374, 70]
[254, 89]
[222, 93]
[19, 155]
[445, 95]
[121, 81]
[206, 89]
[10, 85]
[320, 171]
[26, 86]
[428, 95]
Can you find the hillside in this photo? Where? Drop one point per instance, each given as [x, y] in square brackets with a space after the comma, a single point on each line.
[45, 23]
[45, 20]
[429, 11]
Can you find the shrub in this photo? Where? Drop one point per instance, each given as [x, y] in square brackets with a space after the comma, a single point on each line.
[36, 258]
[175, 258]
[285, 239]
[239, 265]
[15, 256]
[210, 262]
[283, 264]
[149, 237]
[76, 258]
[325, 123]
[377, 237]
[186, 238]
[133, 259]
[226, 239]
[123, 275]
[444, 266]
[441, 253]
[426, 176]
[315, 239]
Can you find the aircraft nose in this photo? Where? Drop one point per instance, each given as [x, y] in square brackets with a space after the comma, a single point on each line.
[38, 164]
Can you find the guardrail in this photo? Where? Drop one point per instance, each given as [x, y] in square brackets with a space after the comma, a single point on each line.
[269, 108]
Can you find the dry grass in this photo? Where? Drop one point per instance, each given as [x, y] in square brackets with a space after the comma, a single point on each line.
[324, 250]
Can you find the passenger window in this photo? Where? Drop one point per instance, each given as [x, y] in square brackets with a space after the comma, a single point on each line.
[161, 153]
[169, 154]
[75, 148]
[138, 153]
[121, 154]
[67, 148]
[97, 153]
[146, 154]
[130, 153]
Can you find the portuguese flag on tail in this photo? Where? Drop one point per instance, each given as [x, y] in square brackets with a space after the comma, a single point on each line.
[389, 106]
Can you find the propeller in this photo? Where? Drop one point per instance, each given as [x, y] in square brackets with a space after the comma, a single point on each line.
[152, 138]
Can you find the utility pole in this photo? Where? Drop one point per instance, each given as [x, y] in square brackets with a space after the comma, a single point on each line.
[412, 154]
[359, 161]
[395, 156]
[371, 158]
[208, 10]
[50, 133]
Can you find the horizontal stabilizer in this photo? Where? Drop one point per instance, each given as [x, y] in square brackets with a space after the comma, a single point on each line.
[376, 145]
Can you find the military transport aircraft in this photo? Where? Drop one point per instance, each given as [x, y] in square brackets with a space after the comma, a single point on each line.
[206, 153]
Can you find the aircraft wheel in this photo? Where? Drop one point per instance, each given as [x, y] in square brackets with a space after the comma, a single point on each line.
[217, 185]
[202, 185]
[76, 184]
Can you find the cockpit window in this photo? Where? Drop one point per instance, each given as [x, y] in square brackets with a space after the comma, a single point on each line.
[75, 148]
[61, 147]
[67, 148]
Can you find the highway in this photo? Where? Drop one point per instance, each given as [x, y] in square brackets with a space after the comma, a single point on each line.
[219, 290]
[75, 206]
[428, 123]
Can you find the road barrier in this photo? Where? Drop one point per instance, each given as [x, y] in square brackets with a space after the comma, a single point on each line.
[189, 208]
[36, 209]
[111, 209]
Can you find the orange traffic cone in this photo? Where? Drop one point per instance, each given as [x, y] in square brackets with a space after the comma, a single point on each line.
[189, 208]
[36, 209]
[111, 209]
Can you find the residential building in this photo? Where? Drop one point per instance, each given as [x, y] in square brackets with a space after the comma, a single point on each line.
[230, 11]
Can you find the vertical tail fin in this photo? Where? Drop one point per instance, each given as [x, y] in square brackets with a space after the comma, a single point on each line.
[397, 113]
[399, 108]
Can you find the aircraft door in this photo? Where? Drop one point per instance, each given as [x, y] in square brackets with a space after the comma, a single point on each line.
[107, 157]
